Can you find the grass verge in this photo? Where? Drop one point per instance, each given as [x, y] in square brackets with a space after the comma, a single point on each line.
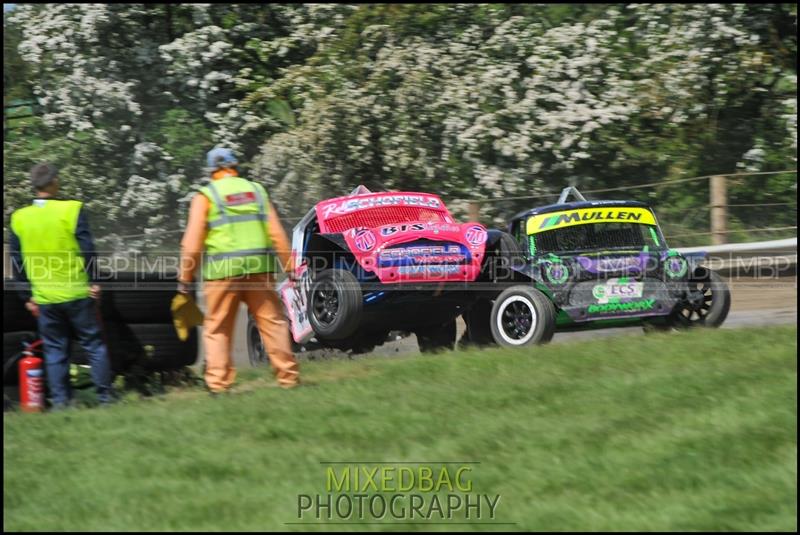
[691, 431]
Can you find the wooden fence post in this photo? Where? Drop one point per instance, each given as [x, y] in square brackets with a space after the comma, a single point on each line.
[719, 210]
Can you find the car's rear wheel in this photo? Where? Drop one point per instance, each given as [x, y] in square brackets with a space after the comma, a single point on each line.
[335, 304]
[256, 352]
[437, 338]
[522, 316]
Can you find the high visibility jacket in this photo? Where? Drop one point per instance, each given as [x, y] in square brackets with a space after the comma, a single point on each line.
[51, 256]
[238, 240]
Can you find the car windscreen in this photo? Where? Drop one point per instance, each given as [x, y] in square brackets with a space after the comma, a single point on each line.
[606, 236]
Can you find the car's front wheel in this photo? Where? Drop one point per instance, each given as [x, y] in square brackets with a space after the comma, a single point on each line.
[522, 316]
[335, 304]
[256, 352]
[707, 304]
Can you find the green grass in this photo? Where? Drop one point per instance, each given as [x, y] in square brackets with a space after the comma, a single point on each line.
[692, 431]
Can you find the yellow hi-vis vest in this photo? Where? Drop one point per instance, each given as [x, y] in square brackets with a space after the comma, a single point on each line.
[51, 256]
[238, 240]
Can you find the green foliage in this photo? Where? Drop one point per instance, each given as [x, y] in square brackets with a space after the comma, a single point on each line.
[468, 100]
[185, 137]
[16, 73]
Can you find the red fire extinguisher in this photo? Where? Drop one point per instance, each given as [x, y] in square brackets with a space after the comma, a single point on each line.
[31, 379]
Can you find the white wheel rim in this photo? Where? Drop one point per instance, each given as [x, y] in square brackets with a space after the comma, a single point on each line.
[499, 320]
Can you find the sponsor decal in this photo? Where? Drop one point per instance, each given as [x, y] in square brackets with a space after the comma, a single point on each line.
[423, 254]
[676, 266]
[613, 308]
[351, 205]
[583, 216]
[295, 295]
[364, 239]
[394, 229]
[235, 199]
[436, 228]
[435, 270]
[556, 272]
[615, 289]
[476, 235]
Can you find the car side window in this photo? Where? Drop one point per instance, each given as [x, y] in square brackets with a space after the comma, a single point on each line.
[311, 229]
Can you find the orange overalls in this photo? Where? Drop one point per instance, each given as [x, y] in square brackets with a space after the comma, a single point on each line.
[224, 295]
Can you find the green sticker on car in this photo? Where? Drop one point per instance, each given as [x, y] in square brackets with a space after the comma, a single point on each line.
[632, 306]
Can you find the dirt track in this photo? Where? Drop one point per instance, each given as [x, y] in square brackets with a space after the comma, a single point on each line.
[751, 294]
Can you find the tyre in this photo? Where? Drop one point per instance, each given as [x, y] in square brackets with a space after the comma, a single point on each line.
[501, 259]
[256, 351]
[120, 355]
[478, 320]
[13, 344]
[138, 297]
[138, 306]
[335, 304]
[707, 305]
[16, 317]
[155, 346]
[437, 338]
[522, 316]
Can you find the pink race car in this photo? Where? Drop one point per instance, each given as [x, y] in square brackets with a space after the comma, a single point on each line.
[370, 263]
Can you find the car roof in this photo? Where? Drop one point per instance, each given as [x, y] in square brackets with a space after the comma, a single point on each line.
[557, 207]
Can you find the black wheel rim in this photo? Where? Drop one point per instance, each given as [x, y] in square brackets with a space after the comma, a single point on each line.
[698, 304]
[325, 303]
[517, 320]
[257, 353]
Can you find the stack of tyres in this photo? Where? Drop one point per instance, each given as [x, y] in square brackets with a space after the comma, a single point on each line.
[138, 322]
[135, 317]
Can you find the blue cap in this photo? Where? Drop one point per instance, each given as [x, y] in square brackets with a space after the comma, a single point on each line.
[220, 157]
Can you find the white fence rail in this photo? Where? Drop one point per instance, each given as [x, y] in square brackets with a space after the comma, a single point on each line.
[766, 258]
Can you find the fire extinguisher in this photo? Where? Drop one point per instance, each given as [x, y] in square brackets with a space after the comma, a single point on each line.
[31, 379]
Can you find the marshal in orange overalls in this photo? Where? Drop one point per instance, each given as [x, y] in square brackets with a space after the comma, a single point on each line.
[234, 232]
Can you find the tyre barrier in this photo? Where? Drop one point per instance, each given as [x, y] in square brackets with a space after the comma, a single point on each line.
[155, 346]
[138, 297]
[136, 323]
[16, 317]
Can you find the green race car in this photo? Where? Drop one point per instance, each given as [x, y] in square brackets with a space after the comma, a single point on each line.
[594, 264]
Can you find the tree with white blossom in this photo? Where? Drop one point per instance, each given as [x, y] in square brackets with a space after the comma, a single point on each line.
[467, 100]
